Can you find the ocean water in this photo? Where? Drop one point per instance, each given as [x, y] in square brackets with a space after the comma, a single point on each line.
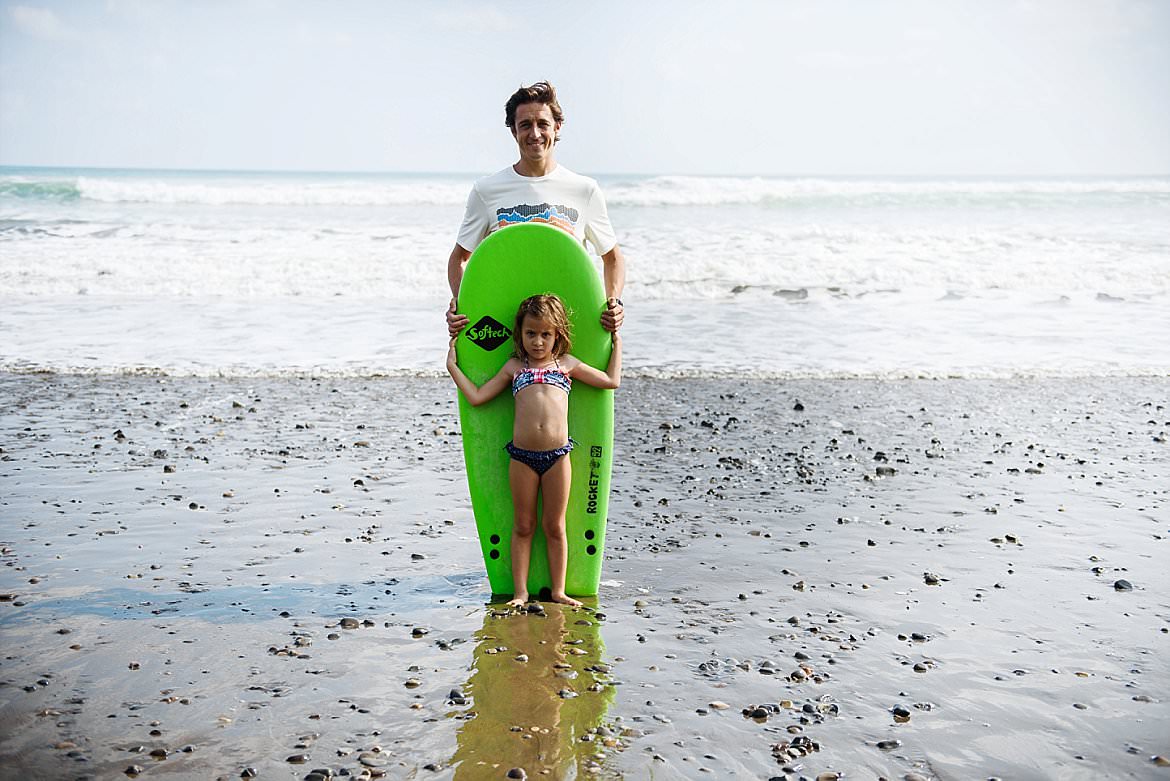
[242, 274]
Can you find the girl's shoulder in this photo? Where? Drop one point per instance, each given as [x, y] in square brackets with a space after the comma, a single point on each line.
[569, 362]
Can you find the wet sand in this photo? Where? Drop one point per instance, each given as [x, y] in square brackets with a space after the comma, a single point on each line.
[922, 579]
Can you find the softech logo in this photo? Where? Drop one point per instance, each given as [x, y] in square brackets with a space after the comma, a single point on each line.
[488, 333]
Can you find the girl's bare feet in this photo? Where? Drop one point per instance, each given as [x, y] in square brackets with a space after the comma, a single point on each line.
[564, 599]
[518, 600]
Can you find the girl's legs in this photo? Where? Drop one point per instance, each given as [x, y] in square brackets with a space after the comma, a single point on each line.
[525, 485]
[554, 487]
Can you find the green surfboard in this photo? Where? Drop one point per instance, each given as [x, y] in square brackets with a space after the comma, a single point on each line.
[507, 267]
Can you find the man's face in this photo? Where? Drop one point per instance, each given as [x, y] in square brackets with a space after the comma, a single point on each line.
[535, 131]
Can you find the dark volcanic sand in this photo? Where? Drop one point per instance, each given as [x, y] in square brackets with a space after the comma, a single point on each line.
[900, 579]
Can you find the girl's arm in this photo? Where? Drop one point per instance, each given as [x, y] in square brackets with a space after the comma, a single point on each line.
[611, 378]
[478, 394]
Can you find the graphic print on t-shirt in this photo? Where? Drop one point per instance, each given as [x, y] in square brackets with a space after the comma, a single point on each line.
[563, 217]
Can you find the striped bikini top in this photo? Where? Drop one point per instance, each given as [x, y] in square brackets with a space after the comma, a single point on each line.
[552, 376]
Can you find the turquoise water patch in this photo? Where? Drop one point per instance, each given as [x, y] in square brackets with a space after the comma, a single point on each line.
[229, 604]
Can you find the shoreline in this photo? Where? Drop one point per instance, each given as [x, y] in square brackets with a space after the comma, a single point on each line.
[653, 374]
[757, 555]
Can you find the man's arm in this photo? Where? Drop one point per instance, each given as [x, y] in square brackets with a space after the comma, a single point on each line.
[455, 265]
[614, 275]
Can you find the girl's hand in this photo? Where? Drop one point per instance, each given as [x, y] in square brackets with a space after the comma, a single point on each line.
[451, 360]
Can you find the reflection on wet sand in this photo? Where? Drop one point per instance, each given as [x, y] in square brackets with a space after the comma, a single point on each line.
[538, 693]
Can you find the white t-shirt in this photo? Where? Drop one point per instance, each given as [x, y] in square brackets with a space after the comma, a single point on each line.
[562, 198]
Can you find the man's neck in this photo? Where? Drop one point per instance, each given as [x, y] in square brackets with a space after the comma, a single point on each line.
[525, 168]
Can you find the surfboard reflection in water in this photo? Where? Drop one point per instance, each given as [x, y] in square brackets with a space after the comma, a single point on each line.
[539, 692]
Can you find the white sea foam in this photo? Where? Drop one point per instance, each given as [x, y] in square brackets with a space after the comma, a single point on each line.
[682, 261]
[279, 189]
[260, 192]
[818, 337]
[343, 275]
[811, 192]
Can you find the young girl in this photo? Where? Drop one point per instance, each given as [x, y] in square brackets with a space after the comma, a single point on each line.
[541, 373]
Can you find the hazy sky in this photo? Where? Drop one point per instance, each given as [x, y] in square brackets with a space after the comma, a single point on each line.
[770, 87]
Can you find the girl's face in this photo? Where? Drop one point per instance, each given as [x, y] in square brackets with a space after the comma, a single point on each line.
[538, 338]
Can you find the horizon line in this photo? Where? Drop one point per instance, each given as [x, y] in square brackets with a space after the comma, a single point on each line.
[472, 174]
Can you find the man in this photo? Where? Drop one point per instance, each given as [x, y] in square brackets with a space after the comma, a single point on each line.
[537, 188]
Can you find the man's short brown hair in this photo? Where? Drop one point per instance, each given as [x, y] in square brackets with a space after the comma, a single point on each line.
[540, 92]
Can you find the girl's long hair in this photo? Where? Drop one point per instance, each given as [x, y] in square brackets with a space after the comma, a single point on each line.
[550, 309]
